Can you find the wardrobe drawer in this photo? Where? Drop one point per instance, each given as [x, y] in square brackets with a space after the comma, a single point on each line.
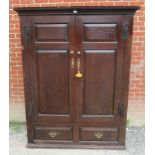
[98, 134]
[53, 133]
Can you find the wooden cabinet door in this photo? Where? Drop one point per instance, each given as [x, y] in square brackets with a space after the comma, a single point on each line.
[99, 90]
[51, 73]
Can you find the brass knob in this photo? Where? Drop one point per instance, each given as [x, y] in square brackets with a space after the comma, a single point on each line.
[71, 52]
[98, 135]
[78, 52]
[52, 134]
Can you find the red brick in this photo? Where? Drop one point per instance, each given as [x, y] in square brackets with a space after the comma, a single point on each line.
[41, 1]
[14, 1]
[139, 94]
[138, 33]
[83, 0]
[137, 44]
[136, 90]
[135, 38]
[13, 81]
[48, 5]
[62, 4]
[139, 23]
[76, 4]
[141, 29]
[26, 1]
[91, 4]
[140, 13]
[137, 3]
[141, 18]
[135, 18]
[11, 35]
[14, 40]
[121, 3]
[140, 85]
[131, 94]
[69, 0]
[141, 38]
[139, 48]
[106, 3]
[54, 1]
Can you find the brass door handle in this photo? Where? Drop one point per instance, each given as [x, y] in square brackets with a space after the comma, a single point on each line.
[78, 74]
[72, 62]
[52, 134]
[98, 135]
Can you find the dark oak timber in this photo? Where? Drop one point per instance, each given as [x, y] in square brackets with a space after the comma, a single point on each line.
[76, 63]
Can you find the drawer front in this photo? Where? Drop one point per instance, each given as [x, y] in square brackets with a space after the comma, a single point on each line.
[53, 133]
[98, 134]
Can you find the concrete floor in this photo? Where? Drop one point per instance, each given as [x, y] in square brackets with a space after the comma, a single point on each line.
[134, 143]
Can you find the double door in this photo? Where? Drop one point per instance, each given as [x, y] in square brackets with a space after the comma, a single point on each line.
[76, 70]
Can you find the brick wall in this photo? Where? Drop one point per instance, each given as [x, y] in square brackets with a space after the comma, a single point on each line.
[136, 94]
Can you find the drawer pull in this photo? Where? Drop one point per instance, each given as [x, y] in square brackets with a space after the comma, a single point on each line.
[52, 134]
[98, 135]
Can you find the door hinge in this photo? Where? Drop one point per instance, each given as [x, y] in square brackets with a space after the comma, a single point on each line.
[26, 33]
[121, 109]
[125, 31]
[31, 110]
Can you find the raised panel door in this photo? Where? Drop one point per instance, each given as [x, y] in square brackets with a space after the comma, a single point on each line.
[102, 67]
[52, 77]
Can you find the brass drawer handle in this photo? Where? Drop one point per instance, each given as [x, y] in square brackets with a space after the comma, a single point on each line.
[52, 134]
[98, 135]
